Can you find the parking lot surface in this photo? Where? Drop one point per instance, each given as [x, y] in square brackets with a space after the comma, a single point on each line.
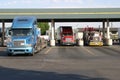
[63, 63]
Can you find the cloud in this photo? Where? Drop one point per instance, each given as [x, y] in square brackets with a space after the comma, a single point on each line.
[67, 1]
[74, 1]
[57, 3]
[26, 1]
[15, 2]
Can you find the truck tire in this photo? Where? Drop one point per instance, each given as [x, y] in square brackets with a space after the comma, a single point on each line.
[58, 43]
[32, 54]
[9, 54]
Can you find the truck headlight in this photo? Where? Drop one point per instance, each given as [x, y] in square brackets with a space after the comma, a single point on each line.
[22, 44]
[9, 45]
[29, 45]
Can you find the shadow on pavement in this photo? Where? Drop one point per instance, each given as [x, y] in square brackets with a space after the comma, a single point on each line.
[3, 51]
[15, 74]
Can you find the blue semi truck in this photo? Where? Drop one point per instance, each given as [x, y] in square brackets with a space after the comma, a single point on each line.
[24, 36]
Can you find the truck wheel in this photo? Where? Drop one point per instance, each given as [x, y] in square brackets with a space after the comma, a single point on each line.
[58, 42]
[32, 54]
[9, 54]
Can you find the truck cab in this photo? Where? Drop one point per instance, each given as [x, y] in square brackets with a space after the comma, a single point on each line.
[65, 35]
[24, 36]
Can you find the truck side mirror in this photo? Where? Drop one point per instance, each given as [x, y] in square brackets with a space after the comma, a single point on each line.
[10, 33]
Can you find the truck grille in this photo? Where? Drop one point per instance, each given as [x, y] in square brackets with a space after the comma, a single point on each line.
[95, 39]
[18, 43]
[68, 39]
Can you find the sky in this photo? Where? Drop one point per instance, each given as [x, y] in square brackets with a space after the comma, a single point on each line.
[63, 4]
[59, 3]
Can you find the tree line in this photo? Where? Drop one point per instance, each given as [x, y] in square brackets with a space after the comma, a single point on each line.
[43, 26]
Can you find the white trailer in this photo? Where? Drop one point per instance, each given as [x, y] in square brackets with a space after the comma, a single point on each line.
[79, 35]
[79, 38]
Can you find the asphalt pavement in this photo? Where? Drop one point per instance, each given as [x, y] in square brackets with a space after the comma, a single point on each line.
[63, 63]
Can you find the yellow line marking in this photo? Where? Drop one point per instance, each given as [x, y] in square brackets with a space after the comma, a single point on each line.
[48, 51]
[89, 51]
[54, 13]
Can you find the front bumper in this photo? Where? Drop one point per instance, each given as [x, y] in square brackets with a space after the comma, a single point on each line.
[68, 43]
[20, 50]
[96, 43]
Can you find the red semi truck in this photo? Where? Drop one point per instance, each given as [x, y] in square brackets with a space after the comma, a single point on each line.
[65, 35]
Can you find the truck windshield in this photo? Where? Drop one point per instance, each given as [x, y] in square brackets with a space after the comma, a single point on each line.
[67, 34]
[21, 32]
